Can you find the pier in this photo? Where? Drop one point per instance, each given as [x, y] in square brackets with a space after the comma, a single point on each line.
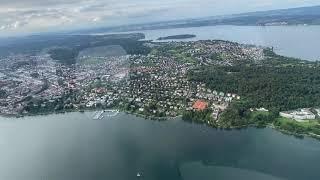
[105, 113]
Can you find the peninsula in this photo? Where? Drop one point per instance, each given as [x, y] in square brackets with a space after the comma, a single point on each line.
[219, 83]
[182, 36]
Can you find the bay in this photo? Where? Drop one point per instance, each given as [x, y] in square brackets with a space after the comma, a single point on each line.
[293, 41]
[73, 146]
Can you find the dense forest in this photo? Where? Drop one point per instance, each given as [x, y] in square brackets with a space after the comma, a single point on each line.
[198, 116]
[3, 93]
[278, 84]
[284, 87]
[64, 55]
[181, 36]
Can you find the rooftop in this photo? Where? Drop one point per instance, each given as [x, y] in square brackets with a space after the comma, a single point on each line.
[200, 105]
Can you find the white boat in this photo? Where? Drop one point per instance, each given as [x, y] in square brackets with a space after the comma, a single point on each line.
[139, 175]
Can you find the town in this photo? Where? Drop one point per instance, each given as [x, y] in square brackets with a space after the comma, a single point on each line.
[174, 79]
[154, 85]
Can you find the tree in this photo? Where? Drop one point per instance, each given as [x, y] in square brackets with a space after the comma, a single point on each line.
[3, 93]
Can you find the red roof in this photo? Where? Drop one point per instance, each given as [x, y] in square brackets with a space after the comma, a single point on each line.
[200, 105]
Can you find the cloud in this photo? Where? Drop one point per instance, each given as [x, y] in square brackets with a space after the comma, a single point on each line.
[33, 15]
[43, 15]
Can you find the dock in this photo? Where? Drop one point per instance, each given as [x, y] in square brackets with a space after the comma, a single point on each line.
[105, 113]
[111, 113]
[98, 115]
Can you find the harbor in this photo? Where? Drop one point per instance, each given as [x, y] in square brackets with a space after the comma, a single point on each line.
[99, 115]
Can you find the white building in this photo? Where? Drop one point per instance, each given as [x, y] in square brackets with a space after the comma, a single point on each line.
[262, 109]
[299, 115]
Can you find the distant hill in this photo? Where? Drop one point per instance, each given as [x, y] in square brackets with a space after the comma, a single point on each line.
[68, 43]
[293, 16]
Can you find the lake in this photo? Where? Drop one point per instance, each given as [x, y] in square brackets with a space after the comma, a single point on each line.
[294, 41]
[73, 146]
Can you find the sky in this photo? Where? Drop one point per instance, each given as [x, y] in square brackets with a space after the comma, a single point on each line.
[33, 16]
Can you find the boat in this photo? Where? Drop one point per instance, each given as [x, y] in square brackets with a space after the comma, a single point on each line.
[139, 175]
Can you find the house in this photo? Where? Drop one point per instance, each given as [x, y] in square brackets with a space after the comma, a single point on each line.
[215, 114]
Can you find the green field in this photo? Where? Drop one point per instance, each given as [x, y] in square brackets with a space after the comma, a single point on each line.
[309, 126]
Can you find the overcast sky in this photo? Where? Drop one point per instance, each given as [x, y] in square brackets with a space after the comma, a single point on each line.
[29, 16]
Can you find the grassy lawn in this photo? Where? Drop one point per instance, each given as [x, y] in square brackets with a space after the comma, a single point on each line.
[290, 125]
[308, 126]
[305, 124]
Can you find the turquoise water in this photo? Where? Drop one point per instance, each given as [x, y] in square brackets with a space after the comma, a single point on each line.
[73, 146]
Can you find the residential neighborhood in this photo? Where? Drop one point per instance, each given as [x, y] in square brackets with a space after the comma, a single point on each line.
[154, 85]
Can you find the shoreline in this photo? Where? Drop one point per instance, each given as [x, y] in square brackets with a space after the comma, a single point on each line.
[146, 117]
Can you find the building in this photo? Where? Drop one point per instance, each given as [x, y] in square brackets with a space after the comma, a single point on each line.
[200, 105]
[299, 115]
[318, 111]
[262, 109]
[215, 114]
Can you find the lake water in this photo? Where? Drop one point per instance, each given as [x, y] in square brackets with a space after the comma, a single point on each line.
[73, 146]
[294, 41]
